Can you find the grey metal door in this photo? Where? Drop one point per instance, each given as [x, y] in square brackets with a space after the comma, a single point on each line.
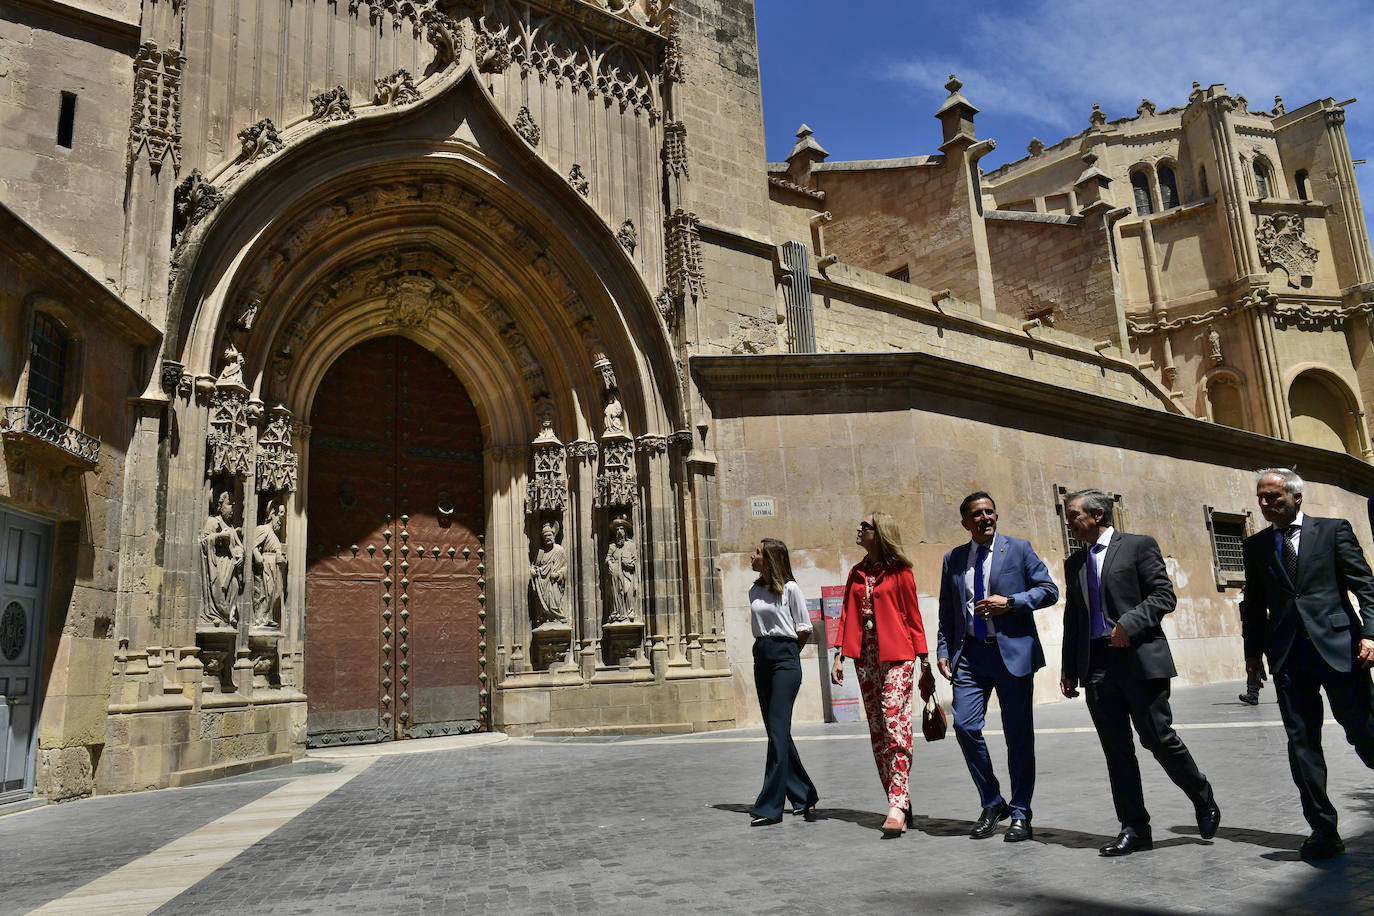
[25, 549]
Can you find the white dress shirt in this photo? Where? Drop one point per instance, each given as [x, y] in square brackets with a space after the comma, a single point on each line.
[1295, 539]
[987, 581]
[771, 614]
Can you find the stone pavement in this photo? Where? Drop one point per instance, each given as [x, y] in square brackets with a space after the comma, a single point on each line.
[661, 825]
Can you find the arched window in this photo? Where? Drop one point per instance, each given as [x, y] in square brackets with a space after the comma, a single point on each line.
[1300, 182]
[1168, 188]
[1261, 177]
[1140, 187]
[49, 352]
[1202, 181]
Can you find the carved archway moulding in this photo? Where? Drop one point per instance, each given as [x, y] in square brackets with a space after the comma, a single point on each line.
[290, 224]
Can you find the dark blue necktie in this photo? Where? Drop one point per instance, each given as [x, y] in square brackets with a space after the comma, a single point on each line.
[1095, 616]
[980, 626]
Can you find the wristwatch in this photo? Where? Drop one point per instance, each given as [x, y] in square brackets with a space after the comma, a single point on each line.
[1011, 604]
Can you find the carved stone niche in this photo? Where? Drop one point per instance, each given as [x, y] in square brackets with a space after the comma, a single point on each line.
[263, 649]
[623, 632]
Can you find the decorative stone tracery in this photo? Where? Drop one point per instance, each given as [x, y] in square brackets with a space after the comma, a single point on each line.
[276, 458]
[686, 274]
[155, 121]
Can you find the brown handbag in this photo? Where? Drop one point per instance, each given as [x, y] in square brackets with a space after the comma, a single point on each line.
[932, 716]
[933, 720]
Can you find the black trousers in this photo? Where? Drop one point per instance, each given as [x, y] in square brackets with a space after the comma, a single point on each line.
[777, 678]
[1117, 700]
[1298, 688]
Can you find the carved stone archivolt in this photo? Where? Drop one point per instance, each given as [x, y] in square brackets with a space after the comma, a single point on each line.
[412, 296]
[1283, 243]
[155, 121]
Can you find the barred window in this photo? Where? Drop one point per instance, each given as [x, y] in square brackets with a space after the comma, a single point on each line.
[1228, 531]
[1071, 543]
[1261, 178]
[48, 353]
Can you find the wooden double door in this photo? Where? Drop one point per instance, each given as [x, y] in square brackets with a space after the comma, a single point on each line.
[395, 561]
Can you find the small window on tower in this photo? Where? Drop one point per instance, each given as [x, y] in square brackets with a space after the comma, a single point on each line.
[66, 120]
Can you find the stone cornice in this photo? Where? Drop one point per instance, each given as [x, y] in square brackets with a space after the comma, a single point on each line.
[1075, 414]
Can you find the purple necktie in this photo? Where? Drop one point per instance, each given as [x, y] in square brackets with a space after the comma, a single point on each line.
[1095, 616]
[980, 626]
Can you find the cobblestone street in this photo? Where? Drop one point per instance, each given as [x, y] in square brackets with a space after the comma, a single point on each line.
[661, 825]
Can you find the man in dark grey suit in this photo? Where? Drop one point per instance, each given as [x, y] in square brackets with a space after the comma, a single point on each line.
[1298, 576]
[1118, 592]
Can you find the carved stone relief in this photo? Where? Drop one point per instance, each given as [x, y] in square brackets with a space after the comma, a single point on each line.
[332, 105]
[194, 198]
[395, 90]
[259, 140]
[627, 236]
[229, 441]
[276, 459]
[579, 181]
[412, 297]
[616, 485]
[155, 121]
[675, 148]
[525, 126]
[622, 569]
[269, 568]
[547, 490]
[1284, 243]
[221, 554]
[686, 275]
[667, 308]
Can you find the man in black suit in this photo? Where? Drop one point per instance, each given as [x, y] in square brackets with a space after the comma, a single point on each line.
[1118, 592]
[1298, 576]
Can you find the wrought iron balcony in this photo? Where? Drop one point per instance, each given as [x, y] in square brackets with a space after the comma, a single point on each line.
[24, 424]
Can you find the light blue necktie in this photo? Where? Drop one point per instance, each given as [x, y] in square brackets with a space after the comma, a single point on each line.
[980, 626]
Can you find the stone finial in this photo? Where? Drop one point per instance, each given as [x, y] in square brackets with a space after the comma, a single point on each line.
[956, 114]
[1097, 118]
[953, 85]
[1035, 148]
[1145, 108]
[1278, 106]
[1196, 93]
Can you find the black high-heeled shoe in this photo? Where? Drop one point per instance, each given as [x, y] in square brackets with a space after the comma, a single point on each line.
[910, 818]
[806, 812]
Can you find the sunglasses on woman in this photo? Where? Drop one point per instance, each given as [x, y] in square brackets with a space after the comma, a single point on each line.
[866, 526]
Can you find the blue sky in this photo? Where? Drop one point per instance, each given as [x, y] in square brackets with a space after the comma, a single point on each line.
[868, 76]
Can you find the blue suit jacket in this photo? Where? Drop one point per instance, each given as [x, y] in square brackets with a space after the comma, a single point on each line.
[1017, 573]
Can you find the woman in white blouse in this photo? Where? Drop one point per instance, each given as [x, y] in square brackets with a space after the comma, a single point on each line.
[781, 627]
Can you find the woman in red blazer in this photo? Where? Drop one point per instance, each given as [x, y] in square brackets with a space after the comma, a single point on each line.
[880, 629]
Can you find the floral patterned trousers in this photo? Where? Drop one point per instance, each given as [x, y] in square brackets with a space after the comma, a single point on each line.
[887, 690]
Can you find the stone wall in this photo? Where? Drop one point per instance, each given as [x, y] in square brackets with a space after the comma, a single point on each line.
[74, 196]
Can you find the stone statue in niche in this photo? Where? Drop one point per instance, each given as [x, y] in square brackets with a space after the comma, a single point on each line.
[269, 568]
[549, 577]
[614, 416]
[232, 373]
[221, 565]
[622, 566]
[1214, 346]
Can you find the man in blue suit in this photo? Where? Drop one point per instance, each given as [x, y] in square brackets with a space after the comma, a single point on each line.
[989, 591]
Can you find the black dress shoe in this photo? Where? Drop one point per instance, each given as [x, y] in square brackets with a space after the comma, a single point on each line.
[806, 812]
[1250, 699]
[1126, 843]
[764, 821]
[1208, 819]
[988, 820]
[1321, 846]
[1019, 830]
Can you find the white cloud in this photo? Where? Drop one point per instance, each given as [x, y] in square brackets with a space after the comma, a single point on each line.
[1050, 60]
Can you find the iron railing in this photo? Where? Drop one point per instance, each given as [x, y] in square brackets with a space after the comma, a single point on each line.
[34, 423]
